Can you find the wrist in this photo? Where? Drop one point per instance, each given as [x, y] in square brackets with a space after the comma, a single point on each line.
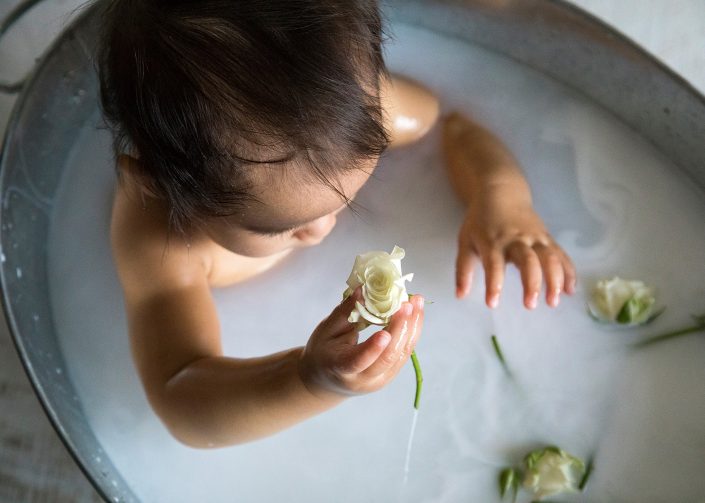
[507, 184]
[508, 196]
[310, 380]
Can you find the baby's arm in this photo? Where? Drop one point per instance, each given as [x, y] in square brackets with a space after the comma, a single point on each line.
[500, 225]
[207, 399]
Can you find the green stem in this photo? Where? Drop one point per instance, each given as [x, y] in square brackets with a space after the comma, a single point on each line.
[498, 350]
[419, 378]
[500, 355]
[670, 335]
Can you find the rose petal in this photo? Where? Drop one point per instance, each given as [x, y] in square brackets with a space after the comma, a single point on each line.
[368, 316]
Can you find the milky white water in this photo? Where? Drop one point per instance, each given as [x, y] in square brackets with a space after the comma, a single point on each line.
[613, 202]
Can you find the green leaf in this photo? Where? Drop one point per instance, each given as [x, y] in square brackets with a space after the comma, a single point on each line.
[555, 450]
[532, 458]
[586, 475]
[633, 308]
[507, 480]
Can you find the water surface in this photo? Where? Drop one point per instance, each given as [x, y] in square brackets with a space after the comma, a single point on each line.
[614, 203]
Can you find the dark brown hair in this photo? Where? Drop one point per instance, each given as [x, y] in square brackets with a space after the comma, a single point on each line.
[201, 89]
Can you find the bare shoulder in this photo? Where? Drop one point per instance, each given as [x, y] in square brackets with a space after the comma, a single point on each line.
[411, 109]
[147, 255]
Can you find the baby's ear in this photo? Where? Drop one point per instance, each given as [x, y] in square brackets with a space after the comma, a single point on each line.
[132, 176]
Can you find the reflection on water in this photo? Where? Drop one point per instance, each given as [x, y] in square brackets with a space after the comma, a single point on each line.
[610, 200]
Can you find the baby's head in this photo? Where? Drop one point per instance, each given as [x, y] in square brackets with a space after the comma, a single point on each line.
[253, 120]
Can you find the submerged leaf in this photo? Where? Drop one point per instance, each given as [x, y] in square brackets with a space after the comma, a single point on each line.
[507, 481]
[586, 476]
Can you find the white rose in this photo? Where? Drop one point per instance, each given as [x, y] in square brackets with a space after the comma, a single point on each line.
[622, 301]
[552, 471]
[383, 286]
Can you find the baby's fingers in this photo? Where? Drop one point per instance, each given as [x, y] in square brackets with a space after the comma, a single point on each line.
[404, 328]
[529, 265]
[570, 276]
[360, 356]
[493, 262]
[464, 269]
[553, 272]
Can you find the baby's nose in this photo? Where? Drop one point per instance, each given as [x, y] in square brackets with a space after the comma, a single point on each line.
[314, 232]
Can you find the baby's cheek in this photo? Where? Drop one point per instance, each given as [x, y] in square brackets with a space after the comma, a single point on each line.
[316, 231]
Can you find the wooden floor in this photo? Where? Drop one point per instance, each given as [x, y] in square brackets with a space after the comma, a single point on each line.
[34, 465]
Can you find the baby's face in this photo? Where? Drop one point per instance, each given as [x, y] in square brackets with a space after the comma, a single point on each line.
[290, 213]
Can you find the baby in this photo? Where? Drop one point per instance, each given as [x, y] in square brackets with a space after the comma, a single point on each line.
[242, 128]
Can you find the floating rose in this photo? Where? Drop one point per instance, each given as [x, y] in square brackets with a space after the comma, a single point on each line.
[383, 286]
[552, 471]
[546, 472]
[623, 302]
[383, 293]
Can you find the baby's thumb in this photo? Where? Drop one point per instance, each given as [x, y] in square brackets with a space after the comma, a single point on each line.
[361, 356]
[337, 322]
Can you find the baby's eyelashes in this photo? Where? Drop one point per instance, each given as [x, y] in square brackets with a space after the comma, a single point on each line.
[274, 232]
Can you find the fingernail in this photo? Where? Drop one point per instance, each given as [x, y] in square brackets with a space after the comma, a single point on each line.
[406, 308]
[533, 301]
[420, 301]
[494, 300]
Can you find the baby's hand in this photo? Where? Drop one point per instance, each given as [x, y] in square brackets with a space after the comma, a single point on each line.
[499, 231]
[334, 364]
[500, 225]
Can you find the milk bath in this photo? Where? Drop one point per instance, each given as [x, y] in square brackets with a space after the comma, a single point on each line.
[613, 202]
